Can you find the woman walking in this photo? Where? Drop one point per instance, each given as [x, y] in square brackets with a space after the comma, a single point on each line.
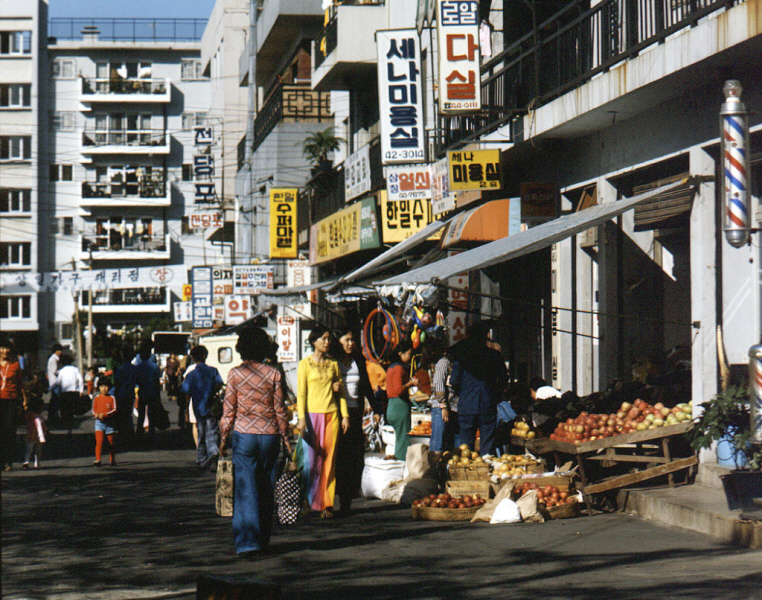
[398, 384]
[10, 402]
[321, 403]
[350, 454]
[255, 413]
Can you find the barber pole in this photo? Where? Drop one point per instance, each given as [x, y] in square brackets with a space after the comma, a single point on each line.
[735, 144]
[755, 392]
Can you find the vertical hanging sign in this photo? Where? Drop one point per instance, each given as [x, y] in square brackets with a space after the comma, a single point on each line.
[283, 223]
[400, 97]
[458, 45]
[203, 165]
[201, 280]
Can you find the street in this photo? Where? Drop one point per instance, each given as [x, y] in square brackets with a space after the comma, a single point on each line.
[147, 529]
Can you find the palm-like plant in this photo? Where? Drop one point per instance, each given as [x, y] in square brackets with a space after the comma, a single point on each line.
[319, 145]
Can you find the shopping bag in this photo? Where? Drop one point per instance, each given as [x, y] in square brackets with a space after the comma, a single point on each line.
[287, 494]
[224, 492]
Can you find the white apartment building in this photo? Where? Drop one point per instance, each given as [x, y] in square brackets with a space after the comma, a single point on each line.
[22, 59]
[132, 160]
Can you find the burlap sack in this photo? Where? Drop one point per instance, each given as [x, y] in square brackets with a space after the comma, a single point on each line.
[528, 506]
[485, 512]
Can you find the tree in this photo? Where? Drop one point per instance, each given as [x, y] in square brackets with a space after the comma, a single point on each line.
[319, 145]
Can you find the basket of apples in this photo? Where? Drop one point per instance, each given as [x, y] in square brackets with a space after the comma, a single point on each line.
[553, 502]
[444, 507]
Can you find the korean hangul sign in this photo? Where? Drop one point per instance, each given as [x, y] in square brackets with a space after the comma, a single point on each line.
[400, 97]
[403, 218]
[95, 279]
[201, 280]
[203, 165]
[410, 182]
[458, 45]
[288, 340]
[183, 311]
[348, 230]
[222, 281]
[357, 173]
[475, 170]
[299, 273]
[205, 220]
[283, 233]
[539, 200]
[252, 279]
[457, 298]
[237, 310]
[442, 199]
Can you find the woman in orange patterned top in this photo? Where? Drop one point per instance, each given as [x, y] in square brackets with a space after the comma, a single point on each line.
[255, 413]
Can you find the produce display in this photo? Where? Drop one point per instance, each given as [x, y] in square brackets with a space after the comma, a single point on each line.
[523, 430]
[512, 465]
[421, 428]
[638, 416]
[548, 495]
[463, 457]
[448, 501]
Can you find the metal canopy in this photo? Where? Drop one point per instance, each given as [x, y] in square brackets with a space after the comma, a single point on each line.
[528, 241]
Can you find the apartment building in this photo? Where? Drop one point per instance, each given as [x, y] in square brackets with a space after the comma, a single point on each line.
[22, 106]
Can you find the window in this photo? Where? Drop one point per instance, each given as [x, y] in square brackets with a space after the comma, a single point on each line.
[119, 76]
[66, 331]
[187, 172]
[15, 201]
[15, 42]
[15, 147]
[15, 95]
[15, 307]
[15, 254]
[67, 225]
[61, 173]
[193, 119]
[120, 129]
[63, 68]
[191, 68]
[125, 233]
[63, 120]
[225, 356]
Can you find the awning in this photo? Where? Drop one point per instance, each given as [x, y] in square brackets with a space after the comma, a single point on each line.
[528, 241]
[485, 223]
[667, 210]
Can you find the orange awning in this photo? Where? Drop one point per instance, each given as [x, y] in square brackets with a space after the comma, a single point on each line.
[485, 223]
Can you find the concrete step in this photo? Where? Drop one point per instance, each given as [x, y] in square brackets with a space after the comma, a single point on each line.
[709, 475]
[695, 507]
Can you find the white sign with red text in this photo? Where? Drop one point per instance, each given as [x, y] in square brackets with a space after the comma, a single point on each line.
[412, 182]
[288, 340]
[237, 310]
[458, 45]
[205, 220]
[457, 297]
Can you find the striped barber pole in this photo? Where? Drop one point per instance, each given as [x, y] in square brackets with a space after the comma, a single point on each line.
[755, 396]
[735, 136]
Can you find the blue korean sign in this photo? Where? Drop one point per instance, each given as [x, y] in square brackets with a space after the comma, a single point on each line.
[203, 292]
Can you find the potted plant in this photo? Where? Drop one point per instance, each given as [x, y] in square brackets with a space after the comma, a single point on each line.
[726, 422]
[318, 146]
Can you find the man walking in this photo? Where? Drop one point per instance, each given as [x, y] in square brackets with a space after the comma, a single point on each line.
[125, 381]
[55, 389]
[201, 384]
[147, 376]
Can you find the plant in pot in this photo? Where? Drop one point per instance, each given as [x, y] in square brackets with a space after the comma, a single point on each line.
[726, 422]
[318, 146]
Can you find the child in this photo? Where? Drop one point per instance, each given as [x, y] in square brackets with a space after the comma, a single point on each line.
[90, 380]
[36, 430]
[104, 410]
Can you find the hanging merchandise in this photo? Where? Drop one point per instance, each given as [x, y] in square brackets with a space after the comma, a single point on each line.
[380, 325]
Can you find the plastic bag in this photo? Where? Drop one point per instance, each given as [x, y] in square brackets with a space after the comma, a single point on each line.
[506, 512]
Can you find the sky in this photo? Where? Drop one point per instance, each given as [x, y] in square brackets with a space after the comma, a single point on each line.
[152, 9]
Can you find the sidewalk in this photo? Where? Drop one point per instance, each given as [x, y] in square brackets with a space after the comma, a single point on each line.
[147, 529]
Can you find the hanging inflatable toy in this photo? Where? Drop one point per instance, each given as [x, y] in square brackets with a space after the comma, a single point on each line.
[381, 334]
[418, 335]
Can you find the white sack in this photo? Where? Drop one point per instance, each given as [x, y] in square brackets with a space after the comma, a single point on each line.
[506, 512]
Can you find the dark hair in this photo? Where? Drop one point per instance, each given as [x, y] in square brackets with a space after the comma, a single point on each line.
[66, 360]
[253, 344]
[337, 350]
[128, 353]
[57, 347]
[199, 353]
[145, 352]
[316, 333]
[401, 348]
[104, 381]
[6, 342]
[537, 383]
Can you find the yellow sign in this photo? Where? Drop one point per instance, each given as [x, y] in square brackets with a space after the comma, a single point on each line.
[403, 218]
[187, 292]
[475, 170]
[283, 233]
[348, 230]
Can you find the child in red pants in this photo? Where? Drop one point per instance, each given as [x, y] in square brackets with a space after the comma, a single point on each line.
[104, 410]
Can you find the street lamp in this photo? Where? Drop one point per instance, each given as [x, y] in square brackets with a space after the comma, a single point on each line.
[734, 135]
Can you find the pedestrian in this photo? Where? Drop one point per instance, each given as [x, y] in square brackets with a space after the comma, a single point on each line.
[186, 399]
[147, 376]
[443, 402]
[398, 384]
[72, 387]
[10, 402]
[36, 432]
[479, 377]
[90, 378]
[201, 385]
[350, 453]
[105, 413]
[321, 403]
[172, 384]
[125, 382]
[54, 406]
[255, 413]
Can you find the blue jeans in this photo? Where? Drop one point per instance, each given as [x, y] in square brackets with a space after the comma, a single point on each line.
[208, 436]
[485, 423]
[255, 458]
[444, 436]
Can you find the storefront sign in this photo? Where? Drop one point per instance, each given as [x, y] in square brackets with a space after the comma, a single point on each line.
[344, 232]
[458, 45]
[457, 296]
[400, 97]
[475, 170]
[222, 281]
[252, 279]
[96, 279]
[357, 173]
[403, 218]
[237, 310]
[299, 273]
[410, 182]
[283, 243]
[288, 340]
[442, 199]
[201, 280]
[205, 220]
[183, 311]
[187, 292]
[203, 165]
[539, 200]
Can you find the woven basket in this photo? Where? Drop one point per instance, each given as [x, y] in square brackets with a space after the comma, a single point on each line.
[469, 473]
[563, 511]
[444, 514]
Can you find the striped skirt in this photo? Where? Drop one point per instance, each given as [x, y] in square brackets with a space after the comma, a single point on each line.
[319, 468]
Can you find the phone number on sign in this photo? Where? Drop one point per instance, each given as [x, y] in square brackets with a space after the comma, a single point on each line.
[403, 154]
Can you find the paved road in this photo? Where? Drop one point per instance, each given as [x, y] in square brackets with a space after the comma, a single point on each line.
[147, 529]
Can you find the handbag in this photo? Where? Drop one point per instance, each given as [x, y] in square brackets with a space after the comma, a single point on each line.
[287, 493]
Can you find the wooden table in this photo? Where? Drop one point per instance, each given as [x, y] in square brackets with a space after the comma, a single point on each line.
[611, 450]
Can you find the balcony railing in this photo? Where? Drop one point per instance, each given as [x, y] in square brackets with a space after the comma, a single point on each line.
[564, 53]
[142, 187]
[130, 297]
[291, 103]
[143, 137]
[114, 241]
[128, 30]
[108, 85]
[330, 37]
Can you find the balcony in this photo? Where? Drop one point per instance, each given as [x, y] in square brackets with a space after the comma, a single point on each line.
[569, 51]
[112, 244]
[125, 142]
[131, 300]
[346, 52]
[124, 91]
[291, 103]
[142, 191]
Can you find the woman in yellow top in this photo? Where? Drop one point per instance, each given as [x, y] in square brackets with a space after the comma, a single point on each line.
[319, 401]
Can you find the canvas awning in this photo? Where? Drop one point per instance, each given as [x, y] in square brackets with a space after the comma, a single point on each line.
[528, 241]
[485, 223]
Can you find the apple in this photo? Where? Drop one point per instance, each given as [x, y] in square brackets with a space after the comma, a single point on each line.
[626, 406]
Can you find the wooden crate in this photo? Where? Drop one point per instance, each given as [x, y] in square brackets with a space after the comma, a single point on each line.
[469, 488]
[562, 482]
[469, 472]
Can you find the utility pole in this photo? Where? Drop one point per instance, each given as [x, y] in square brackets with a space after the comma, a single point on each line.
[77, 329]
[90, 315]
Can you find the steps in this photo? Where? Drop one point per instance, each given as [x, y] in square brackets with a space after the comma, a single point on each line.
[700, 507]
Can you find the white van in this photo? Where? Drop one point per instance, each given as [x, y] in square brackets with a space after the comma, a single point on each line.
[222, 352]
